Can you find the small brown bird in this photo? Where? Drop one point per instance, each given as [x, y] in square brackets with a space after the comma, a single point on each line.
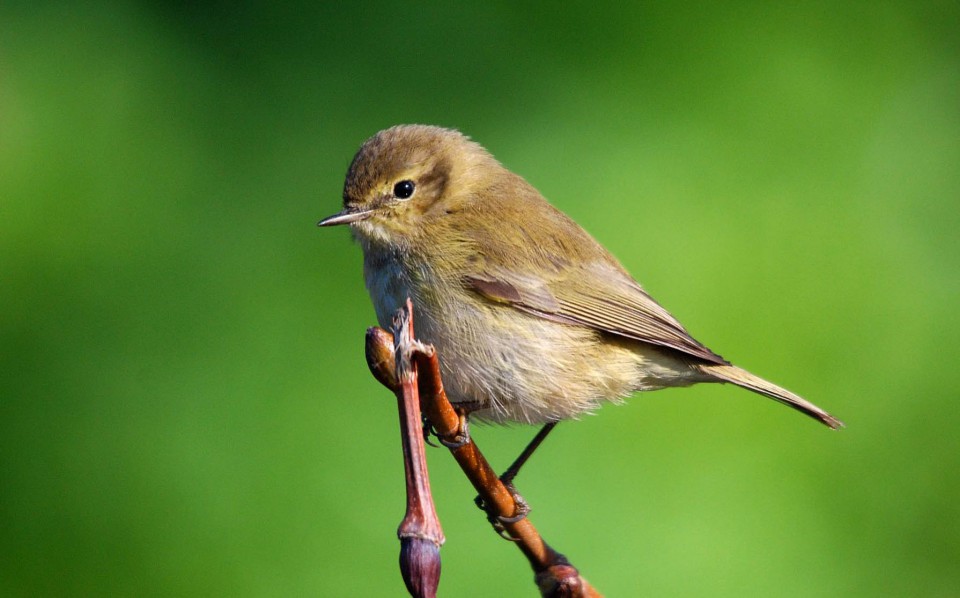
[533, 319]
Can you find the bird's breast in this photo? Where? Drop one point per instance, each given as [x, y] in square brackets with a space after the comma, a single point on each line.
[518, 366]
[388, 283]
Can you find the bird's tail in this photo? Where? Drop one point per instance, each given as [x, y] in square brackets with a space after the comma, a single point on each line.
[743, 378]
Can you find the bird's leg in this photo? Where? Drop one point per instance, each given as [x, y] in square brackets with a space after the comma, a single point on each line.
[514, 469]
[522, 508]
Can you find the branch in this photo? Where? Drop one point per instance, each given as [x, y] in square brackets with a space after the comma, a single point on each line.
[392, 358]
[420, 533]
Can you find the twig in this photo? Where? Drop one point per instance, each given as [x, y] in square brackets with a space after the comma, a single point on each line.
[554, 575]
[420, 533]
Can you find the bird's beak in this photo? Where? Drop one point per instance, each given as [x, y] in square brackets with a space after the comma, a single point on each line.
[346, 216]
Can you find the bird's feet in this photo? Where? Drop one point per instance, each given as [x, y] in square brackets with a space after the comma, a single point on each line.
[462, 436]
[521, 509]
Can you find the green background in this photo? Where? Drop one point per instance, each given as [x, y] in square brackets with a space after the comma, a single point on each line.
[184, 405]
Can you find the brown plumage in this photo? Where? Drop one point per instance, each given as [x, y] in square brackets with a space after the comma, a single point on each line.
[534, 320]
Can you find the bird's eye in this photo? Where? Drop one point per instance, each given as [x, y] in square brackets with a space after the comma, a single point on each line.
[403, 189]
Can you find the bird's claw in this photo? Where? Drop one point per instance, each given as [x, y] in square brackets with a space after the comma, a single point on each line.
[462, 436]
[428, 431]
[521, 509]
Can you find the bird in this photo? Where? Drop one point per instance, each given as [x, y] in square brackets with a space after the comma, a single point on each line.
[534, 320]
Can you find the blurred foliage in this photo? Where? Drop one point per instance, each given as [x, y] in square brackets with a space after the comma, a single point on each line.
[184, 405]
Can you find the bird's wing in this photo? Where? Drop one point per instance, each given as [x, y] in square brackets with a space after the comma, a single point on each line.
[554, 269]
[598, 296]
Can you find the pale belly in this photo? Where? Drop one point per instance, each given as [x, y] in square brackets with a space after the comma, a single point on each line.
[517, 366]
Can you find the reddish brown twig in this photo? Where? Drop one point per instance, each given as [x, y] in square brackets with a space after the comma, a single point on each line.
[554, 575]
[420, 533]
